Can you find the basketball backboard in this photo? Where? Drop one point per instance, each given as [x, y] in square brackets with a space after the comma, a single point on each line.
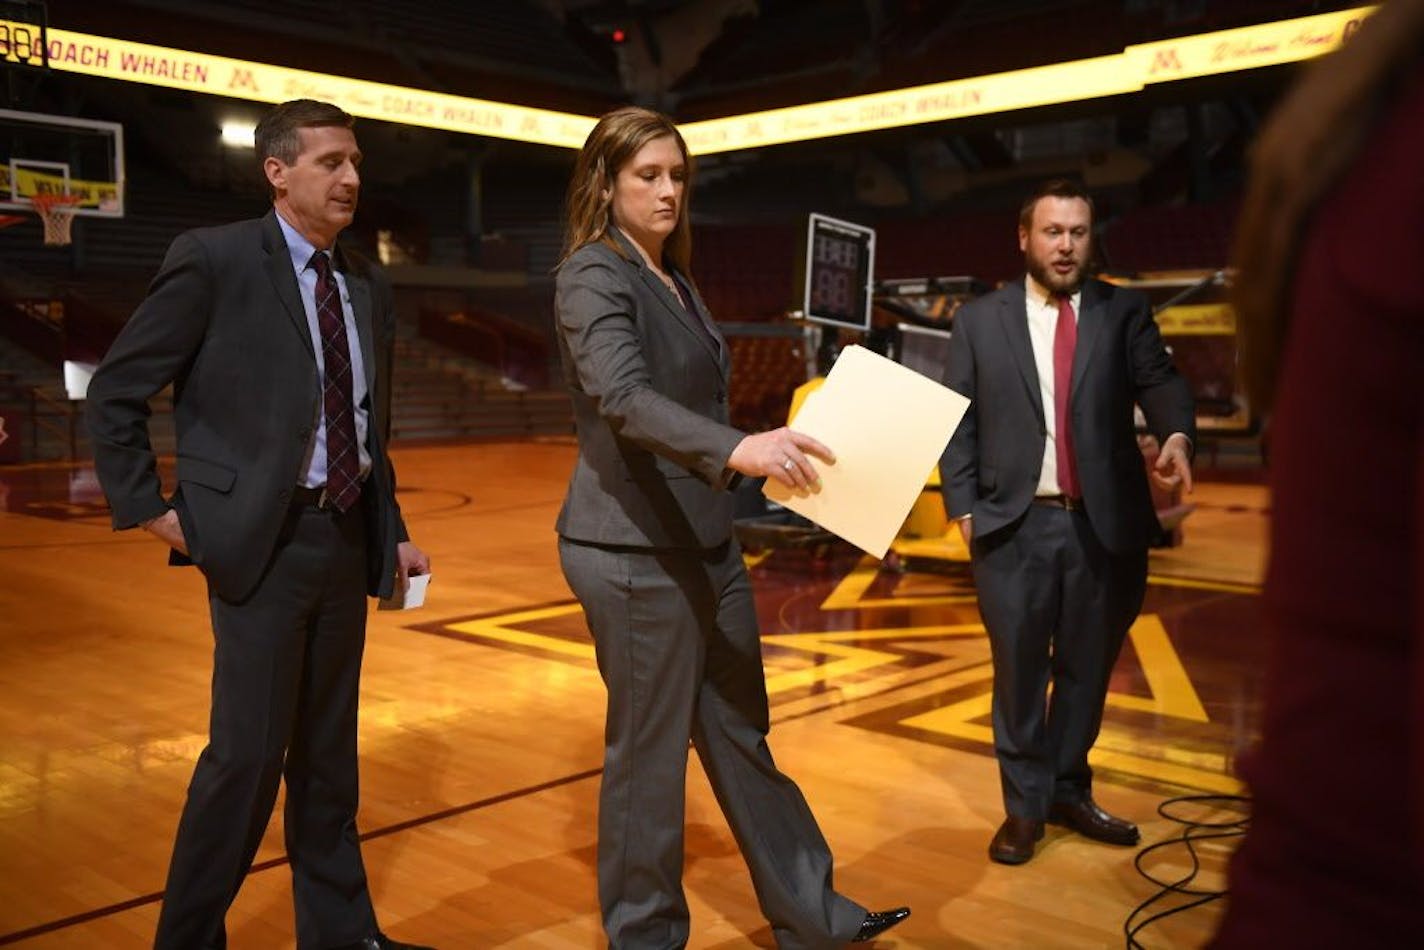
[54, 154]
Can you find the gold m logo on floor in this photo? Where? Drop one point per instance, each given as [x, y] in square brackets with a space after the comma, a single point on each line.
[933, 683]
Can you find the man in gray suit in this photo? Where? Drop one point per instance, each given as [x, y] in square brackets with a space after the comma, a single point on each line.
[1046, 480]
[278, 345]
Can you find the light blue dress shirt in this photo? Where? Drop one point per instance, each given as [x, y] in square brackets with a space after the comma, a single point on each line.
[314, 469]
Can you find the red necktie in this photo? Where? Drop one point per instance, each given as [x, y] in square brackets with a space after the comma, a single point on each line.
[1065, 341]
[343, 460]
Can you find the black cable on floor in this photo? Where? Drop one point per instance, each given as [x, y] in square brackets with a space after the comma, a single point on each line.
[1193, 831]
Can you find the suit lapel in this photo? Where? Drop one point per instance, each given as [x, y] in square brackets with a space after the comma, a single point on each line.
[705, 316]
[707, 337]
[1092, 315]
[284, 279]
[360, 291]
[660, 292]
[1013, 316]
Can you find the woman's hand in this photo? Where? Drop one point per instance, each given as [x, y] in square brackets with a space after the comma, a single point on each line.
[781, 454]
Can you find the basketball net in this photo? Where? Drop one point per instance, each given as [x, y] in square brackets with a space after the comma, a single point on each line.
[57, 213]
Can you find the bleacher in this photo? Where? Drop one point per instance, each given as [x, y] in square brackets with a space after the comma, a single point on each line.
[765, 372]
[105, 274]
[746, 273]
[1171, 237]
[441, 394]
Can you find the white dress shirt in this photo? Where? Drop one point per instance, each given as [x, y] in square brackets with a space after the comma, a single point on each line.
[1042, 325]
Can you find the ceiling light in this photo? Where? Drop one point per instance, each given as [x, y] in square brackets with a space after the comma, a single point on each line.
[237, 134]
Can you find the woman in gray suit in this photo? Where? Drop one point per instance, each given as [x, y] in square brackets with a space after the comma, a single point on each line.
[646, 543]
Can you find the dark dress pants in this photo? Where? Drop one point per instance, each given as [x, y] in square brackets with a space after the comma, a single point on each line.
[679, 649]
[1057, 605]
[286, 671]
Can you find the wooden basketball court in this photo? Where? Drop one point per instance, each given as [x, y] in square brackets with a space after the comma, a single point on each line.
[481, 731]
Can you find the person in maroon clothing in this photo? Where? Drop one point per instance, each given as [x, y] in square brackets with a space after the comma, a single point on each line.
[1330, 245]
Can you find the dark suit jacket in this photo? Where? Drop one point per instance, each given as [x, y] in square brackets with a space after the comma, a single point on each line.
[650, 405]
[224, 323]
[991, 467]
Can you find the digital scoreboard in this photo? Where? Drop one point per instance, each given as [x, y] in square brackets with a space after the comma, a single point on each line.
[22, 34]
[839, 269]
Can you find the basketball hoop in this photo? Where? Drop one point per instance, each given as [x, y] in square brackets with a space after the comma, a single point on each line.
[57, 213]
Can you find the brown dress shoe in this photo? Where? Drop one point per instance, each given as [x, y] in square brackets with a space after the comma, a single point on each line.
[1090, 821]
[1013, 842]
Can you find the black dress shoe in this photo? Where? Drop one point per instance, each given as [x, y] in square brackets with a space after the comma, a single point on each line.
[1090, 821]
[381, 942]
[877, 922]
[1013, 842]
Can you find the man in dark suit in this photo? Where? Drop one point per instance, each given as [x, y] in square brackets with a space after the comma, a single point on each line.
[278, 345]
[1046, 480]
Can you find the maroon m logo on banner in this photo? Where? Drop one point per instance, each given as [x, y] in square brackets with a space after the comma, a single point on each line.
[1164, 60]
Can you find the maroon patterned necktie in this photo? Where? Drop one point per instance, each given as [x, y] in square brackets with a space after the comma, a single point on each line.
[1065, 341]
[343, 460]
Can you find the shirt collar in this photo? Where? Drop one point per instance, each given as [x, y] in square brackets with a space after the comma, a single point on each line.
[298, 246]
[1040, 296]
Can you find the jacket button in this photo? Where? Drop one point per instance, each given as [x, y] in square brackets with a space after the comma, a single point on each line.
[284, 495]
[303, 433]
[721, 397]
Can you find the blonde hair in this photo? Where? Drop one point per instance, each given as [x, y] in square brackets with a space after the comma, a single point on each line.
[613, 142]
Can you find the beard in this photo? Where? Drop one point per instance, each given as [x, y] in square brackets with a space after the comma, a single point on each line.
[1041, 270]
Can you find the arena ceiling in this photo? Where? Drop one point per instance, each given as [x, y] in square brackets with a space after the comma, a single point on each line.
[705, 59]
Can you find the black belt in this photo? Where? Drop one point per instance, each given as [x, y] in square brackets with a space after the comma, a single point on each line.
[303, 497]
[1066, 502]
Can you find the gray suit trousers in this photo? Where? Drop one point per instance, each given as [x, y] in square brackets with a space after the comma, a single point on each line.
[679, 649]
[1057, 606]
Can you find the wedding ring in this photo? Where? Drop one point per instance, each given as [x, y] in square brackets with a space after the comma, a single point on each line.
[788, 465]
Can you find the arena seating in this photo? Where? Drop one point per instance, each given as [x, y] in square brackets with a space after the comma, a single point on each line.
[1171, 237]
[765, 371]
[442, 394]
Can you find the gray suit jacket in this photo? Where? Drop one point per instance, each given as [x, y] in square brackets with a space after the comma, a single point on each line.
[224, 323]
[650, 406]
[991, 466]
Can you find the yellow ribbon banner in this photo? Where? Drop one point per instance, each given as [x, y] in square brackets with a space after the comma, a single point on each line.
[103, 195]
[1252, 47]
[239, 79]
[1206, 54]
[1207, 319]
